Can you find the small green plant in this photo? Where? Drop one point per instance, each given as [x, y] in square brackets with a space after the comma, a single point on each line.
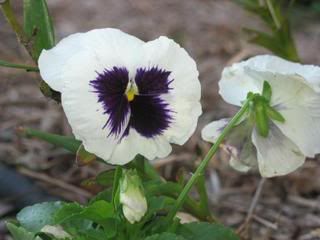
[274, 13]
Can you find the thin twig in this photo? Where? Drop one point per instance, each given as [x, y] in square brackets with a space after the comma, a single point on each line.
[255, 200]
[54, 181]
[244, 227]
[255, 217]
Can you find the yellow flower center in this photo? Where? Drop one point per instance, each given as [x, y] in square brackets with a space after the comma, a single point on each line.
[131, 92]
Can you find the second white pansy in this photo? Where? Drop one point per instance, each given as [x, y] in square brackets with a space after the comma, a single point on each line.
[295, 96]
[123, 96]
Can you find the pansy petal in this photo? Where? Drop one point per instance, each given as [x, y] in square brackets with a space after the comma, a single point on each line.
[168, 55]
[110, 47]
[298, 103]
[213, 130]
[134, 143]
[240, 147]
[242, 164]
[243, 155]
[85, 114]
[238, 143]
[276, 64]
[51, 62]
[235, 84]
[277, 154]
[184, 94]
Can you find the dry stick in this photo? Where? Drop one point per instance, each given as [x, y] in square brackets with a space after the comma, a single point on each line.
[255, 200]
[56, 182]
[255, 217]
[253, 206]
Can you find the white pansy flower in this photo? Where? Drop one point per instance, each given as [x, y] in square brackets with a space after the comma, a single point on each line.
[123, 96]
[132, 198]
[293, 125]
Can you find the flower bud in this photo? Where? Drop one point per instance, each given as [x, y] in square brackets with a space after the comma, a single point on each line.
[132, 198]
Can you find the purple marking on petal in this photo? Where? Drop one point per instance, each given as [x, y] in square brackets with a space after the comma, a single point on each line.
[279, 107]
[110, 85]
[150, 115]
[152, 81]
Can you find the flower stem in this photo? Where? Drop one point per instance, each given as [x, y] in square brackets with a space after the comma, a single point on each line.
[19, 66]
[15, 25]
[200, 170]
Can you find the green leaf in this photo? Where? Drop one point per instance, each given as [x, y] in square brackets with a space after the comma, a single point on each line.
[105, 195]
[262, 120]
[265, 40]
[116, 188]
[18, 66]
[105, 178]
[38, 26]
[279, 39]
[19, 233]
[166, 236]
[77, 219]
[68, 211]
[66, 142]
[274, 114]
[97, 212]
[266, 91]
[159, 205]
[206, 231]
[35, 217]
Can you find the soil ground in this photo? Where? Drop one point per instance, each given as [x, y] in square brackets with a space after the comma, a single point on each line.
[210, 30]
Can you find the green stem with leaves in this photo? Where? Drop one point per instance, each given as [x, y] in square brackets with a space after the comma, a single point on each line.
[15, 25]
[201, 168]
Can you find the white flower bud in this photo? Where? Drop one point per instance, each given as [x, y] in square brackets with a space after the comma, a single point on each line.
[132, 198]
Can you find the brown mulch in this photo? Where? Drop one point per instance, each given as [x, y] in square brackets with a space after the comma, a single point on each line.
[210, 30]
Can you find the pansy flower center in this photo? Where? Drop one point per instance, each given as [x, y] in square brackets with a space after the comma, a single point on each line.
[131, 91]
[137, 103]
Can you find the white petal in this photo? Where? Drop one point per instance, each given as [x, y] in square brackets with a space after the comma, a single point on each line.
[302, 126]
[275, 64]
[242, 165]
[51, 62]
[212, 131]
[277, 154]
[110, 47]
[243, 155]
[186, 114]
[134, 143]
[185, 96]
[84, 113]
[299, 105]
[235, 84]
[238, 143]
